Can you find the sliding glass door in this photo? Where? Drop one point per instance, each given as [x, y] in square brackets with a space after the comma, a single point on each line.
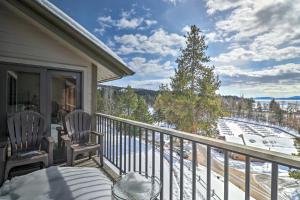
[53, 93]
[64, 96]
[21, 89]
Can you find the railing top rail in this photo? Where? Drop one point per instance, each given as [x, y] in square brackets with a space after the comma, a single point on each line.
[280, 158]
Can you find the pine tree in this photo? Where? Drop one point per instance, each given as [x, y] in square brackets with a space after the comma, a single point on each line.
[191, 104]
[127, 102]
[141, 113]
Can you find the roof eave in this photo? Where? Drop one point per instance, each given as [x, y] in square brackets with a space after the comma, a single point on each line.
[75, 37]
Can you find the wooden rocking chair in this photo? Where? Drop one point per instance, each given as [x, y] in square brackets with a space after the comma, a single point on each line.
[78, 138]
[28, 141]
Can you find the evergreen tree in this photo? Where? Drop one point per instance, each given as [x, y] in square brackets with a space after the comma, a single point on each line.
[141, 113]
[192, 103]
[127, 102]
[100, 102]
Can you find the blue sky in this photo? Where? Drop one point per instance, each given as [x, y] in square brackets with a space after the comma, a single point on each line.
[254, 45]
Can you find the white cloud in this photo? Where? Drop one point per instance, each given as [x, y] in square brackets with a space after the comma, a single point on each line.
[153, 68]
[150, 22]
[221, 5]
[152, 84]
[160, 42]
[186, 29]
[125, 23]
[259, 30]
[280, 80]
[128, 13]
[277, 70]
[174, 2]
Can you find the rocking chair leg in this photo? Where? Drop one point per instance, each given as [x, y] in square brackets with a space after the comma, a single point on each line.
[7, 169]
[73, 159]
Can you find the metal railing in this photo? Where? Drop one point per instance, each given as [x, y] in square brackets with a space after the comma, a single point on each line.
[134, 146]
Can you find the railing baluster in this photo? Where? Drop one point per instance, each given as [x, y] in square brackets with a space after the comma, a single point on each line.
[274, 181]
[208, 173]
[121, 149]
[110, 139]
[114, 145]
[106, 133]
[103, 131]
[171, 167]
[194, 163]
[99, 124]
[247, 179]
[226, 175]
[181, 169]
[117, 143]
[125, 148]
[161, 145]
[153, 153]
[140, 151]
[129, 145]
[146, 152]
[134, 148]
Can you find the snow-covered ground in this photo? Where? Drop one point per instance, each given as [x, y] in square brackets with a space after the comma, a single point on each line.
[265, 137]
[257, 136]
[252, 135]
[217, 180]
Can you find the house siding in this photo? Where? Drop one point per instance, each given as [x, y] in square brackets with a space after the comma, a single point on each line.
[25, 42]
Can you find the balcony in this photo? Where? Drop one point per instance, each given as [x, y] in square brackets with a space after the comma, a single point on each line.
[189, 166]
[135, 146]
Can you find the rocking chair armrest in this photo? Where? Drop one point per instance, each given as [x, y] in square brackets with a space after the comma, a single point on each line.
[97, 133]
[99, 136]
[47, 144]
[67, 140]
[61, 130]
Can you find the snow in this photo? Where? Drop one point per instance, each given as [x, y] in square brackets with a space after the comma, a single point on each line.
[256, 135]
[133, 186]
[58, 183]
[217, 180]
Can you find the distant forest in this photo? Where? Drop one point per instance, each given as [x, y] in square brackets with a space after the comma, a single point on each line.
[232, 106]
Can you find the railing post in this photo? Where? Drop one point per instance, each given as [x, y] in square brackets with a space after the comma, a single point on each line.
[226, 175]
[247, 179]
[146, 152]
[114, 145]
[194, 170]
[171, 167]
[274, 181]
[117, 144]
[162, 165]
[125, 147]
[140, 151]
[208, 173]
[134, 148]
[181, 169]
[110, 139]
[129, 145]
[153, 153]
[121, 148]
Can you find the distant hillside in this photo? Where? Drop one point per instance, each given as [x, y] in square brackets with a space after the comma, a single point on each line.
[149, 95]
[279, 98]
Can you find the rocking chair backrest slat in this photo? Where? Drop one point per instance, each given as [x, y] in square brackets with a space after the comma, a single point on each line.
[26, 130]
[78, 123]
[29, 133]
